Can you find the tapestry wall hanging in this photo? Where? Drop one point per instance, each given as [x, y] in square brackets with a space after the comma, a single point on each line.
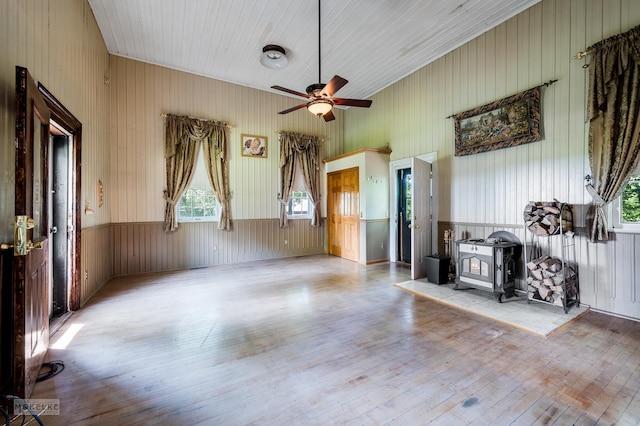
[511, 121]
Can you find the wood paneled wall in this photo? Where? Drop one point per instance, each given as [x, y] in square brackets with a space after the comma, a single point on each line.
[119, 102]
[488, 191]
[97, 259]
[61, 45]
[141, 92]
[145, 247]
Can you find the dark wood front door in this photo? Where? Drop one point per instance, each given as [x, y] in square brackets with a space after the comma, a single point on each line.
[30, 270]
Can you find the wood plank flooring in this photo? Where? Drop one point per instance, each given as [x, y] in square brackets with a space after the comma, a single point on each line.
[320, 340]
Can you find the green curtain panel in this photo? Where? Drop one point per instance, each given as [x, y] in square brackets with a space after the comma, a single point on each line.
[614, 122]
[183, 137]
[298, 150]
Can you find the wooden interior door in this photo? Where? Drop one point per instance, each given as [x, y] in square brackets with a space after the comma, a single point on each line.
[351, 214]
[30, 270]
[343, 212]
[334, 217]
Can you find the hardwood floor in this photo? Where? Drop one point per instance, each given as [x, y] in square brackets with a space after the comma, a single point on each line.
[321, 340]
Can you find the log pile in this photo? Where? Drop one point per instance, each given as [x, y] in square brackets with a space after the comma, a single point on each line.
[545, 281]
[544, 217]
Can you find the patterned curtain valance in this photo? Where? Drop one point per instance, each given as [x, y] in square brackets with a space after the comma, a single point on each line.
[181, 128]
[291, 142]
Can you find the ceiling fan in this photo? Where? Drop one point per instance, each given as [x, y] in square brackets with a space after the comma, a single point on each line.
[320, 95]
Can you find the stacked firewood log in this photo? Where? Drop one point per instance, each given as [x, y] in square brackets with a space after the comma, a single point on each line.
[545, 281]
[543, 217]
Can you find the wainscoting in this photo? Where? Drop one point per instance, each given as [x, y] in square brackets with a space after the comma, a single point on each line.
[145, 247]
[96, 253]
[608, 278]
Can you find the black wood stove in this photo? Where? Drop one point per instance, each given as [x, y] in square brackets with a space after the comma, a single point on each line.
[489, 264]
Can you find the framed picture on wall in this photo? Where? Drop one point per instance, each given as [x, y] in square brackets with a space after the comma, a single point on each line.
[254, 146]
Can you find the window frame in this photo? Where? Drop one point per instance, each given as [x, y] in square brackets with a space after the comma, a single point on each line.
[309, 213]
[204, 219]
[614, 213]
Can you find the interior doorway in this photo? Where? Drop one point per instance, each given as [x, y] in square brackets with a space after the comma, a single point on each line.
[421, 221]
[404, 215]
[65, 202]
[61, 214]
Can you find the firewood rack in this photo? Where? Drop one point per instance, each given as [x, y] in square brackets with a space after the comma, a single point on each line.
[550, 280]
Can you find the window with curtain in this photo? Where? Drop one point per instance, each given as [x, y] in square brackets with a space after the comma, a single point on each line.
[614, 124]
[198, 203]
[184, 137]
[624, 213]
[299, 153]
[299, 205]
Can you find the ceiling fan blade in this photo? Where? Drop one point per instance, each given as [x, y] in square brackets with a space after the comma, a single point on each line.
[364, 103]
[329, 116]
[293, 92]
[335, 84]
[287, 111]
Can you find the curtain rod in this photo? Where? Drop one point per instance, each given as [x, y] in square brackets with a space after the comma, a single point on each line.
[279, 132]
[547, 84]
[580, 55]
[221, 123]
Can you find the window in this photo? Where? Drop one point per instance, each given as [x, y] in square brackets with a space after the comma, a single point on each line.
[198, 203]
[625, 210]
[299, 205]
[630, 201]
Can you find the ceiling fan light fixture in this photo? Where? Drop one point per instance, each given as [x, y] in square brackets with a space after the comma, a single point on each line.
[274, 57]
[320, 107]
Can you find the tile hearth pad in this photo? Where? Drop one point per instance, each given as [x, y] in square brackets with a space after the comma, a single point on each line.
[537, 318]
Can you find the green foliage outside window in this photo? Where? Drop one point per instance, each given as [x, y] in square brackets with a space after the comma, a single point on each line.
[197, 205]
[407, 207]
[631, 201]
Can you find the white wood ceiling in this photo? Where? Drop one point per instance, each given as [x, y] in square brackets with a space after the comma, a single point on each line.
[371, 43]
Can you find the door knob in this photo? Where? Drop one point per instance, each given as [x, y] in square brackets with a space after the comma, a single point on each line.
[37, 245]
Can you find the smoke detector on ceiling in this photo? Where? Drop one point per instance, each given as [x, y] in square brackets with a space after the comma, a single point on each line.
[274, 57]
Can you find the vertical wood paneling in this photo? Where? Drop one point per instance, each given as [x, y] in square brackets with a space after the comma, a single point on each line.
[61, 45]
[141, 92]
[97, 260]
[126, 151]
[197, 245]
[527, 50]
[624, 244]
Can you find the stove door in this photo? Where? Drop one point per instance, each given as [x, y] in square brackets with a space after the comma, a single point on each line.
[476, 265]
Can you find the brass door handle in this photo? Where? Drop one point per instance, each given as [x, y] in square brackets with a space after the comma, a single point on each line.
[32, 245]
[21, 243]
